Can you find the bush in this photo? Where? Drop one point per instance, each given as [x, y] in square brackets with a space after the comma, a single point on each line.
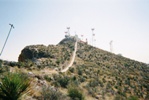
[46, 77]
[133, 98]
[58, 61]
[1, 63]
[119, 97]
[13, 86]
[64, 81]
[93, 83]
[12, 64]
[75, 93]
[80, 71]
[50, 93]
[71, 70]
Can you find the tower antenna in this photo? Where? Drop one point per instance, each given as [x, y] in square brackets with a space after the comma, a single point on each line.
[111, 46]
[65, 33]
[95, 42]
[68, 28]
[82, 37]
[6, 38]
[93, 36]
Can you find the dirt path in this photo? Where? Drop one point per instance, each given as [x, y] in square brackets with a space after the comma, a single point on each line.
[72, 60]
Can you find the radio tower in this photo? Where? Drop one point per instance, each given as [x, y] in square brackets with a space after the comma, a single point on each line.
[82, 37]
[111, 46]
[95, 42]
[68, 31]
[93, 36]
[65, 33]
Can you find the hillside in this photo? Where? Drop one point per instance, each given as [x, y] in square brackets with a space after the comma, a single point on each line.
[95, 73]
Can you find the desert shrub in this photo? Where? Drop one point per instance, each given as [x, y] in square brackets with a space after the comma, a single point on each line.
[58, 61]
[13, 86]
[93, 83]
[80, 71]
[46, 77]
[51, 93]
[4, 68]
[63, 81]
[71, 70]
[12, 64]
[133, 98]
[147, 96]
[91, 92]
[1, 63]
[108, 86]
[116, 87]
[75, 93]
[82, 79]
[119, 97]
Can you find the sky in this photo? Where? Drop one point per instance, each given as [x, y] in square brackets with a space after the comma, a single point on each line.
[125, 22]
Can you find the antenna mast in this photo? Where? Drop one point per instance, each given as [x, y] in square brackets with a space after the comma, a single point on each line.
[82, 37]
[111, 46]
[95, 42]
[68, 31]
[93, 36]
[6, 38]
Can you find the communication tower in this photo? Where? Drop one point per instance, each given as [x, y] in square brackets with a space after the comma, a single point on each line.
[82, 37]
[68, 32]
[111, 46]
[93, 35]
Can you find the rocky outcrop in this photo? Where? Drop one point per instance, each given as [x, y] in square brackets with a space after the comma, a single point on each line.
[33, 51]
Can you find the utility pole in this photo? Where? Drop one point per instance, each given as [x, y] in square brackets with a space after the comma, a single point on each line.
[6, 38]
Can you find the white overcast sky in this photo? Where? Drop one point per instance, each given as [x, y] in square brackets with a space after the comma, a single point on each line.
[126, 22]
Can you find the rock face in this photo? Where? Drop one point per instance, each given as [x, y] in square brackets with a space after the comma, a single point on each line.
[33, 51]
[53, 56]
[40, 51]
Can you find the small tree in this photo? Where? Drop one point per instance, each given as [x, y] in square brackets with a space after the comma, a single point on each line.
[13, 86]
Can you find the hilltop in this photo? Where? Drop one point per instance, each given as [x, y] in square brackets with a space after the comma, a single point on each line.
[95, 73]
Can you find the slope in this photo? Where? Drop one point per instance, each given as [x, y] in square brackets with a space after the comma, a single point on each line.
[99, 75]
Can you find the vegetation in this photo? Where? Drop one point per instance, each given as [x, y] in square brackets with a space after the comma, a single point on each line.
[13, 86]
[96, 73]
[133, 98]
[51, 93]
[63, 81]
[75, 93]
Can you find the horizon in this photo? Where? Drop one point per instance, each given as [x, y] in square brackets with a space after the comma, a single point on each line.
[125, 22]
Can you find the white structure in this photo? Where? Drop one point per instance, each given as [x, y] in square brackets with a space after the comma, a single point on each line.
[93, 36]
[111, 46]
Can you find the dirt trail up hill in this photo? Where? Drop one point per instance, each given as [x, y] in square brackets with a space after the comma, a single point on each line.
[72, 60]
